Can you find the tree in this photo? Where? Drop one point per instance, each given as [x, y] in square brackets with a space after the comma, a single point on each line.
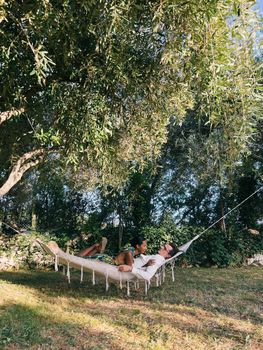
[96, 83]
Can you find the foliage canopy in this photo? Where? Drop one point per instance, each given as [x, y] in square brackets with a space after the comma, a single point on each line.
[95, 83]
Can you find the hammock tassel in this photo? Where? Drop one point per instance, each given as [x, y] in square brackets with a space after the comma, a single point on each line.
[128, 288]
[157, 280]
[64, 270]
[136, 285]
[120, 281]
[172, 267]
[56, 262]
[163, 273]
[107, 280]
[81, 274]
[93, 277]
[146, 287]
[68, 273]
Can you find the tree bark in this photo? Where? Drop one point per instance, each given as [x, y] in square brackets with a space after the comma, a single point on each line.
[4, 116]
[33, 216]
[27, 161]
[222, 208]
[120, 226]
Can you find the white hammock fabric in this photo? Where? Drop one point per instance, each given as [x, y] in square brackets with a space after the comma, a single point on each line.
[110, 272]
[82, 264]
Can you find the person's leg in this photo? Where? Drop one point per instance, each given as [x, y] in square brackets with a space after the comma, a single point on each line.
[94, 249]
[97, 248]
[103, 244]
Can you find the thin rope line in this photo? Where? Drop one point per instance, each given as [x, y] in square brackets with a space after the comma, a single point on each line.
[30, 123]
[12, 228]
[200, 234]
[231, 210]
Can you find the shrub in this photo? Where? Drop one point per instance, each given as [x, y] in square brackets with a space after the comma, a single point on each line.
[24, 251]
[213, 248]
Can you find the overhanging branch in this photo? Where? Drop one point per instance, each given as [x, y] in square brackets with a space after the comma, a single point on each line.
[27, 161]
[4, 116]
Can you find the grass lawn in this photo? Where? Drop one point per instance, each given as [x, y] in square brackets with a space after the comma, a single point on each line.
[204, 309]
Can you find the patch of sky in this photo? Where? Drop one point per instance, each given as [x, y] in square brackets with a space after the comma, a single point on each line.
[259, 7]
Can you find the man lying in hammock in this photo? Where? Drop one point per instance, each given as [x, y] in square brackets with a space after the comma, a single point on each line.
[145, 266]
[96, 251]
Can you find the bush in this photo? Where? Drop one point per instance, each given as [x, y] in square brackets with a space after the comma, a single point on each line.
[24, 251]
[213, 248]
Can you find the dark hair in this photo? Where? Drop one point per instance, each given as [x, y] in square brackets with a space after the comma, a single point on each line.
[173, 251]
[137, 240]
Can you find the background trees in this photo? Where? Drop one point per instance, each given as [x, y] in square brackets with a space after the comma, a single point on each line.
[156, 102]
[97, 83]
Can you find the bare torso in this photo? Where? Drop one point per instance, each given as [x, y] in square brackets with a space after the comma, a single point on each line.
[124, 258]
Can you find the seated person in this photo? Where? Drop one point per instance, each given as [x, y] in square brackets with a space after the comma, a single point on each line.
[138, 246]
[145, 267]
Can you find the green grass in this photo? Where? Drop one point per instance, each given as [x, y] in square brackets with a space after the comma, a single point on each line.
[204, 309]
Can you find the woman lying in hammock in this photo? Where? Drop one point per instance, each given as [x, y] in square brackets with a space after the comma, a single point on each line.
[96, 251]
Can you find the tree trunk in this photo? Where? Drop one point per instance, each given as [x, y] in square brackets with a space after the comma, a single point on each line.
[33, 218]
[222, 207]
[27, 161]
[120, 227]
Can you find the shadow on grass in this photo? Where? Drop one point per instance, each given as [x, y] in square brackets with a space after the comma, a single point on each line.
[197, 303]
[23, 327]
[139, 317]
[53, 283]
[236, 293]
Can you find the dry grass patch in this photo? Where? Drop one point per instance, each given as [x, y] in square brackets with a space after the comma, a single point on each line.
[217, 309]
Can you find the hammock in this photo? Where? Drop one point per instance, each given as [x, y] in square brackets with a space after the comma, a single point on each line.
[110, 272]
[82, 264]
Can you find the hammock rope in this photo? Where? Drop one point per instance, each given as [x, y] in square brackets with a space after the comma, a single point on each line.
[185, 247]
[230, 211]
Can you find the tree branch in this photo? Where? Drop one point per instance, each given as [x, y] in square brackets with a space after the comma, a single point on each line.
[4, 116]
[27, 161]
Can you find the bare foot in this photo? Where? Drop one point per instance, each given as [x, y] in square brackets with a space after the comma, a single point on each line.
[103, 244]
[125, 268]
[53, 245]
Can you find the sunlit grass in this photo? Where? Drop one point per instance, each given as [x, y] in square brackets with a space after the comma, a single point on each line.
[203, 309]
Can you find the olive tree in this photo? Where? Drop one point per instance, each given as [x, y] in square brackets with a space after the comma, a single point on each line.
[95, 83]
